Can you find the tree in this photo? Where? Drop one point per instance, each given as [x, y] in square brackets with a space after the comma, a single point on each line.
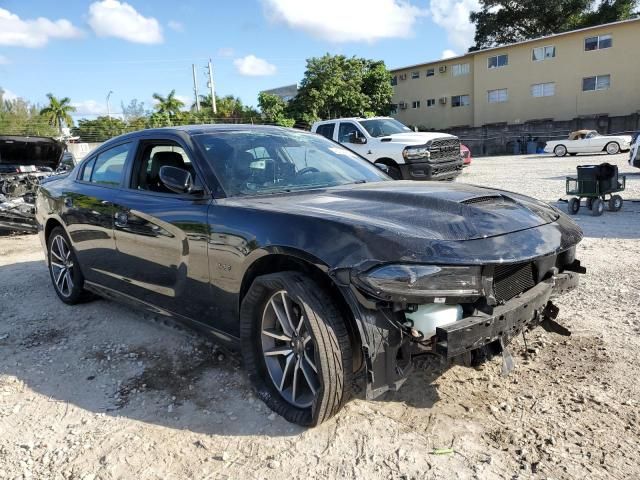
[133, 111]
[169, 104]
[57, 112]
[274, 109]
[100, 129]
[500, 22]
[337, 86]
[20, 117]
[228, 108]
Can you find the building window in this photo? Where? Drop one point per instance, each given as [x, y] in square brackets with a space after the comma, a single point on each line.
[460, 101]
[498, 96]
[599, 82]
[543, 89]
[498, 61]
[415, 104]
[598, 43]
[393, 108]
[394, 80]
[543, 53]
[460, 69]
[431, 102]
[415, 74]
[431, 72]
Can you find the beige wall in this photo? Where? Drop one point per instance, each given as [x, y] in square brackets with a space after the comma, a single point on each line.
[570, 65]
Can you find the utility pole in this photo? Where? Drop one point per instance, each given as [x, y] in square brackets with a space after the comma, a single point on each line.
[108, 105]
[211, 87]
[195, 87]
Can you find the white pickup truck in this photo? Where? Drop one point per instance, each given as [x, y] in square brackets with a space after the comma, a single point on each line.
[403, 153]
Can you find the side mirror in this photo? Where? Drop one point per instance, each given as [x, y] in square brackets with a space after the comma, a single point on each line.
[177, 180]
[383, 167]
[357, 140]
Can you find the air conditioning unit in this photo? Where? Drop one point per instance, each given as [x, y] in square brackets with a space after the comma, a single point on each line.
[442, 68]
[402, 105]
[443, 100]
[403, 76]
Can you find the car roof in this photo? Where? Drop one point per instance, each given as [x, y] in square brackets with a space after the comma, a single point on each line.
[354, 119]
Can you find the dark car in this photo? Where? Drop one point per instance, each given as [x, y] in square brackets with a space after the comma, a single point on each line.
[311, 260]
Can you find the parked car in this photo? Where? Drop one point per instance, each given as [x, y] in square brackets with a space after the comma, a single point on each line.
[24, 162]
[306, 256]
[588, 141]
[466, 155]
[634, 152]
[403, 153]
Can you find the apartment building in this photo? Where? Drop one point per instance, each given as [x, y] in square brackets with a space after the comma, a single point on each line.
[592, 71]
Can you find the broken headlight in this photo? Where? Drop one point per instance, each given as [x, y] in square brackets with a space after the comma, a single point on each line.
[424, 280]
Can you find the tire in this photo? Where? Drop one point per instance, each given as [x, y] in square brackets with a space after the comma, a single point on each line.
[573, 206]
[597, 207]
[615, 203]
[573, 154]
[395, 173]
[612, 148]
[64, 269]
[560, 151]
[276, 351]
[590, 203]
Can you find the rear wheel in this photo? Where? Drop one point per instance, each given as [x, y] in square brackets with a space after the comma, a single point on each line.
[64, 268]
[590, 203]
[296, 347]
[612, 148]
[573, 206]
[560, 151]
[597, 207]
[615, 203]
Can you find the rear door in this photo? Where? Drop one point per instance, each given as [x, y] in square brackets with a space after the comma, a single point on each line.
[161, 236]
[88, 211]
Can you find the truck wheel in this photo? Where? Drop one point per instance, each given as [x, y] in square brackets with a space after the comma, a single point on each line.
[573, 206]
[612, 148]
[590, 203]
[560, 151]
[395, 173]
[296, 347]
[615, 203]
[64, 268]
[597, 207]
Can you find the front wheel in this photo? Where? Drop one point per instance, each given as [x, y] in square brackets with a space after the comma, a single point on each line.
[573, 206]
[296, 347]
[612, 148]
[597, 207]
[64, 268]
[560, 151]
[395, 173]
[615, 203]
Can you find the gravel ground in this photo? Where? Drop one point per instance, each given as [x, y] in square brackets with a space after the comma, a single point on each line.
[99, 391]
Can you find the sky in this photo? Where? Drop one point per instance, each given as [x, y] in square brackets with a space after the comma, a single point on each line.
[86, 49]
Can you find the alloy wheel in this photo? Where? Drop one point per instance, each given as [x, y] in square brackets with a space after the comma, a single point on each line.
[288, 350]
[61, 264]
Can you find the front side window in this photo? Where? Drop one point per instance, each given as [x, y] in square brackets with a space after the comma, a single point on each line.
[598, 43]
[543, 53]
[460, 101]
[347, 131]
[382, 127]
[109, 165]
[543, 89]
[155, 156]
[460, 69]
[326, 130]
[498, 96]
[498, 61]
[599, 82]
[296, 161]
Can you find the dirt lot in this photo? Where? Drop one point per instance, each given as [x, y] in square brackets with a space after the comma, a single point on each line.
[99, 391]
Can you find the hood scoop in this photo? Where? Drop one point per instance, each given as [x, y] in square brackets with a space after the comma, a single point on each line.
[487, 200]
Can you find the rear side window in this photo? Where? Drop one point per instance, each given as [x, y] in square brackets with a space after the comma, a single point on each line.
[87, 168]
[326, 130]
[109, 165]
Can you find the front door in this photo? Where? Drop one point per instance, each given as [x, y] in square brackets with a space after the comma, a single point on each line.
[347, 131]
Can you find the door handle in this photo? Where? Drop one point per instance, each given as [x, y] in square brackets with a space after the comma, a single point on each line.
[121, 219]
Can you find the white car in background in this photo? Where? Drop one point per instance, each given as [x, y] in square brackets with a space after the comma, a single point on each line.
[588, 141]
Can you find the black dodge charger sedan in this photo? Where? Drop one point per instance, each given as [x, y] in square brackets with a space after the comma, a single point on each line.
[316, 264]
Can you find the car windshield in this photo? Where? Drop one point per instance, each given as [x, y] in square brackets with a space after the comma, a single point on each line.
[253, 162]
[381, 127]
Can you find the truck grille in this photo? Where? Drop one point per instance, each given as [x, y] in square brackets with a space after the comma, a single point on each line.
[511, 280]
[445, 149]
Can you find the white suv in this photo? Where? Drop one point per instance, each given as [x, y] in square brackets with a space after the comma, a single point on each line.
[403, 153]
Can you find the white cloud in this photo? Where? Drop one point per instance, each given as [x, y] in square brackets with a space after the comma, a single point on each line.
[8, 94]
[253, 66]
[453, 16]
[347, 21]
[16, 32]
[225, 52]
[175, 25]
[448, 54]
[4, 60]
[90, 108]
[111, 18]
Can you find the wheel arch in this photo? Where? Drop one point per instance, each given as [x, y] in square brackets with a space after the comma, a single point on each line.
[48, 228]
[389, 162]
[604, 149]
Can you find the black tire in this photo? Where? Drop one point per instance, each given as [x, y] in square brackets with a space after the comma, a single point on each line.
[68, 282]
[560, 151]
[330, 342]
[573, 206]
[615, 203]
[612, 148]
[597, 207]
[573, 154]
[590, 203]
[395, 173]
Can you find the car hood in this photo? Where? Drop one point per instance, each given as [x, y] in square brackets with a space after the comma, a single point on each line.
[18, 151]
[414, 138]
[438, 211]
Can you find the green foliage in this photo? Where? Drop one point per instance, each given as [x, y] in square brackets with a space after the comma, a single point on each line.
[57, 112]
[100, 129]
[337, 86]
[274, 110]
[500, 22]
[19, 117]
[169, 104]
[229, 109]
[135, 110]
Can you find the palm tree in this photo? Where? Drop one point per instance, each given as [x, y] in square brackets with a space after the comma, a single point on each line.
[57, 112]
[169, 104]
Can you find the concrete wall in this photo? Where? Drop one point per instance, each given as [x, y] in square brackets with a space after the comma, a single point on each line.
[81, 150]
